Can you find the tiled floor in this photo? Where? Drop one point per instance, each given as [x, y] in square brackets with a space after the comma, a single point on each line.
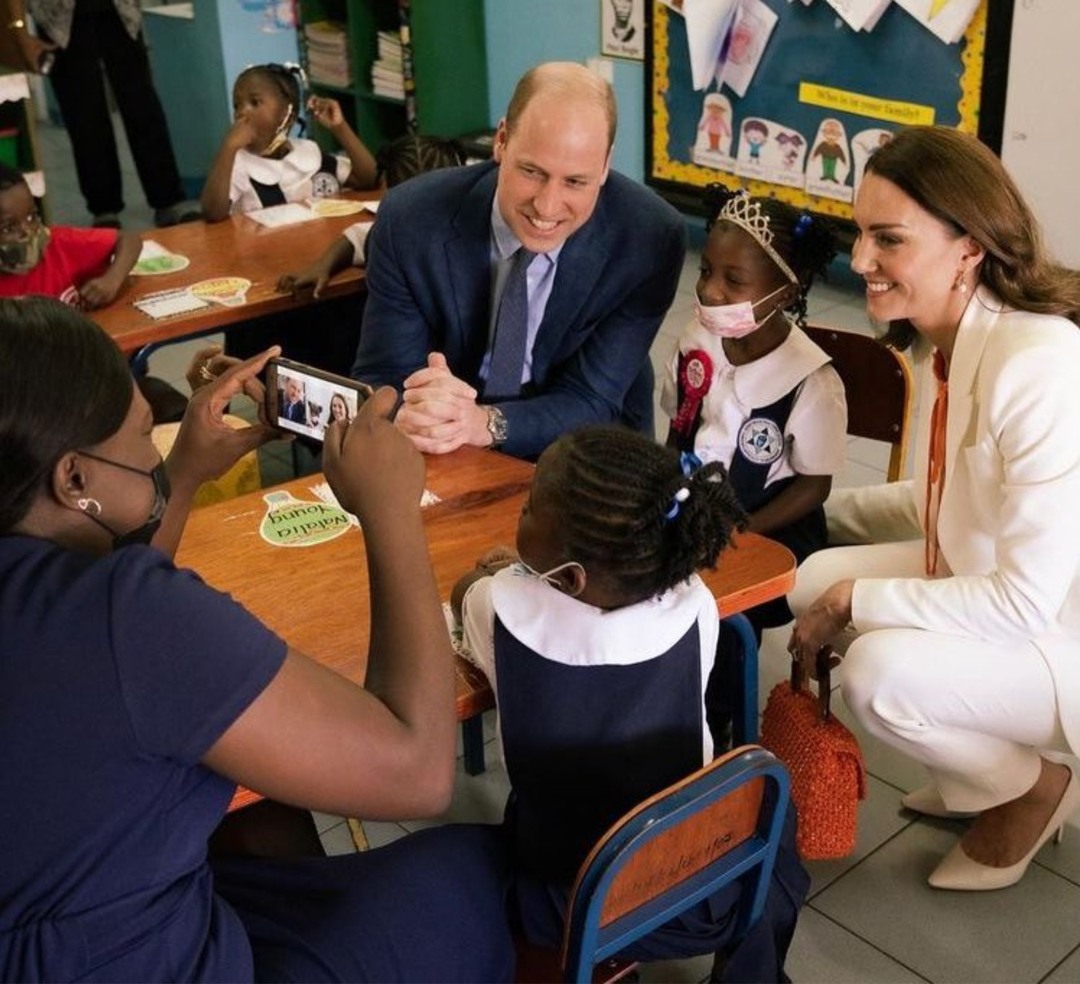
[871, 917]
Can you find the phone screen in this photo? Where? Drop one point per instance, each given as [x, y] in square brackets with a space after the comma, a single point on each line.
[305, 400]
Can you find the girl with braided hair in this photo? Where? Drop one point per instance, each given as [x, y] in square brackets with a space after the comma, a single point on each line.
[599, 643]
[747, 387]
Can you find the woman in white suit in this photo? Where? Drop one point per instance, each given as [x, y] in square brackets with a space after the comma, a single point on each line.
[963, 607]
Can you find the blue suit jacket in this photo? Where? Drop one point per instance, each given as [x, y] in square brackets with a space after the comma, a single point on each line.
[429, 290]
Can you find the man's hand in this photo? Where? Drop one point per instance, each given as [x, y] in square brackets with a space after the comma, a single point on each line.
[370, 464]
[440, 412]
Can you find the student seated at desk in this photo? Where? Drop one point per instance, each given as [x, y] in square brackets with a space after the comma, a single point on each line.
[259, 165]
[136, 697]
[396, 162]
[86, 268]
[598, 644]
[747, 387]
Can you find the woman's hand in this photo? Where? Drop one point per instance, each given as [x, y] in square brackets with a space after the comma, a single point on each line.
[207, 446]
[370, 464]
[820, 624]
[207, 364]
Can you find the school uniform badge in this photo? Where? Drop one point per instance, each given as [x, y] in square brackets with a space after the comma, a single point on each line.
[761, 441]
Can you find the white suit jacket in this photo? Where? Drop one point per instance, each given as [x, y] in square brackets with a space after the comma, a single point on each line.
[1009, 523]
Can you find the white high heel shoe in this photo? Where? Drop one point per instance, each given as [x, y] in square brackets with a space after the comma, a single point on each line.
[927, 801]
[958, 872]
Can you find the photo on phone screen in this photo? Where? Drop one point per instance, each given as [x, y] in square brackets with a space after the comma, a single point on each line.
[305, 400]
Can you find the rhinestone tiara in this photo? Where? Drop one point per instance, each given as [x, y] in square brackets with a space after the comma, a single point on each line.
[741, 210]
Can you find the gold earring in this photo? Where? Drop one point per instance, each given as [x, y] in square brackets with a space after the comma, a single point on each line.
[91, 506]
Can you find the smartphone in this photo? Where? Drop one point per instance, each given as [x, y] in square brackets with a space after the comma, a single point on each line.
[305, 400]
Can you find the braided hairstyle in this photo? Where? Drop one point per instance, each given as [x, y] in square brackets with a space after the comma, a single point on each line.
[806, 242]
[287, 79]
[631, 517]
[414, 154]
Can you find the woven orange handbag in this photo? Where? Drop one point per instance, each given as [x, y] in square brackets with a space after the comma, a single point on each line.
[828, 777]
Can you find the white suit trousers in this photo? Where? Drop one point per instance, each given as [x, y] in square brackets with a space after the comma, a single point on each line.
[975, 713]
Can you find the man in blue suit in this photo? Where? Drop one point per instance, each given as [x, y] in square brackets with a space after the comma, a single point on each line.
[608, 257]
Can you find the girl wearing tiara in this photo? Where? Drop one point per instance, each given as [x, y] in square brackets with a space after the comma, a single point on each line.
[258, 165]
[747, 387]
[599, 644]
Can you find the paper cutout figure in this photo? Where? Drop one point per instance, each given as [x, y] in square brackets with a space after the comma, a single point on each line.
[707, 25]
[750, 31]
[791, 149]
[831, 159]
[713, 145]
[863, 144]
[754, 133]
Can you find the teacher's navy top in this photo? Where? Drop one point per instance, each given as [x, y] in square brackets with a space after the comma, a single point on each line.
[117, 675]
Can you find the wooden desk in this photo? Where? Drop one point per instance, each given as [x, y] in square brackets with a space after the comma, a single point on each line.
[482, 493]
[236, 247]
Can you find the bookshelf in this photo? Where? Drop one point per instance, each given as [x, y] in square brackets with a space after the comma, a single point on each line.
[442, 43]
[18, 138]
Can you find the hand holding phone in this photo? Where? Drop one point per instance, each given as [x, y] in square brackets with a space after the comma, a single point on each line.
[304, 400]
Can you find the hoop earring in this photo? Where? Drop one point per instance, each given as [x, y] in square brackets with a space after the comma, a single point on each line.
[90, 506]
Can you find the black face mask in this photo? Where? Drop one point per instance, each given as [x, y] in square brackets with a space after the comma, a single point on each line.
[145, 532]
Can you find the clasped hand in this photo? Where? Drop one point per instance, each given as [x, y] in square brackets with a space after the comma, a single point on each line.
[440, 412]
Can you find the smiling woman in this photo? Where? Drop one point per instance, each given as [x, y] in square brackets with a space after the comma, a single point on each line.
[967, 585]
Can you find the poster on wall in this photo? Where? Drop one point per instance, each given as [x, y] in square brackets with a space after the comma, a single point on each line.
[796, 101]
[622, 29]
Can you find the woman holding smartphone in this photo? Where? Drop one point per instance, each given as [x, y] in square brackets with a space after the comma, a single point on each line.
[136, 698]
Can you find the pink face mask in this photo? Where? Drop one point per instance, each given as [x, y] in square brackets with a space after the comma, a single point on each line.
[732, 320]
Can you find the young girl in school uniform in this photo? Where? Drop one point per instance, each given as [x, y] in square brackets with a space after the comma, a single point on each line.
[747, 387]
[598, 644]
[259, 164]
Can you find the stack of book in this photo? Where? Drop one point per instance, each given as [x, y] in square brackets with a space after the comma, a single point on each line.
[387, 72]
[327, 54]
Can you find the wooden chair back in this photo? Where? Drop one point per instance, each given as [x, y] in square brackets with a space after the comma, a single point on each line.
[878, 384]
[670, 852]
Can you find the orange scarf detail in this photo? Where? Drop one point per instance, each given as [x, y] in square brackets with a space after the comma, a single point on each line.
[935, 471]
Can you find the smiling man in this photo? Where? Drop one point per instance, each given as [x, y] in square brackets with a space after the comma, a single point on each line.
[517, 299]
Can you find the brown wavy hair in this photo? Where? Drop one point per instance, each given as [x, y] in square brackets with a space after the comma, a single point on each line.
[962, 183]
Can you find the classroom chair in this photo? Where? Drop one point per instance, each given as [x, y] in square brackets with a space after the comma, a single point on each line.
[243, 477]
[735, 687]
[714, 827]
[878, 384]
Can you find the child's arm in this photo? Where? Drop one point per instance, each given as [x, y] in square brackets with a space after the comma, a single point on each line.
[802, 496]
[100, 291]
[215, 201]
[494, 560]
[328, 113]
[336, 258]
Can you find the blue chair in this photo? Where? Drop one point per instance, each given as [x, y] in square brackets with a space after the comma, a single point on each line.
[721, 824]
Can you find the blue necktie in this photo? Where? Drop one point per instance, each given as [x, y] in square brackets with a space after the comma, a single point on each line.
[511, 333]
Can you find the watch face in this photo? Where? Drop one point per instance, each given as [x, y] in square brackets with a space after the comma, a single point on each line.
[324, 185]
[496, 425]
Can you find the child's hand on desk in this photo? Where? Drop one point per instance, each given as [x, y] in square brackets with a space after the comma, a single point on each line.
[99, 292]
[327, 112]
[317, 276]
[372, 467]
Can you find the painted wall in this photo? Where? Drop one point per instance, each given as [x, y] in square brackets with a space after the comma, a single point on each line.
[521, 33]
[195, 55]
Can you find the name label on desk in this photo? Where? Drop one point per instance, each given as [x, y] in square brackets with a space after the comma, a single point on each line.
[292, 522]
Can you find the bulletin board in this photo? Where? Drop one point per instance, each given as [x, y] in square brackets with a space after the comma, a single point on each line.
[818, 83]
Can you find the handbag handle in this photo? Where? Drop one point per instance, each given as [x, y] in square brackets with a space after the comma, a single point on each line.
[798, 680]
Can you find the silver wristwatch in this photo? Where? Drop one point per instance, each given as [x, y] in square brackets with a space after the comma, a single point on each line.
[496, 425]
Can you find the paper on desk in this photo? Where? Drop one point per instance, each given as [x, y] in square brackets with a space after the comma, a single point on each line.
[14, 87]
[326, 494]
[281, 215]
[155, 258]
[167, 303]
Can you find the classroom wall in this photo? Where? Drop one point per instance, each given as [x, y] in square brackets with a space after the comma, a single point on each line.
[521, 33]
